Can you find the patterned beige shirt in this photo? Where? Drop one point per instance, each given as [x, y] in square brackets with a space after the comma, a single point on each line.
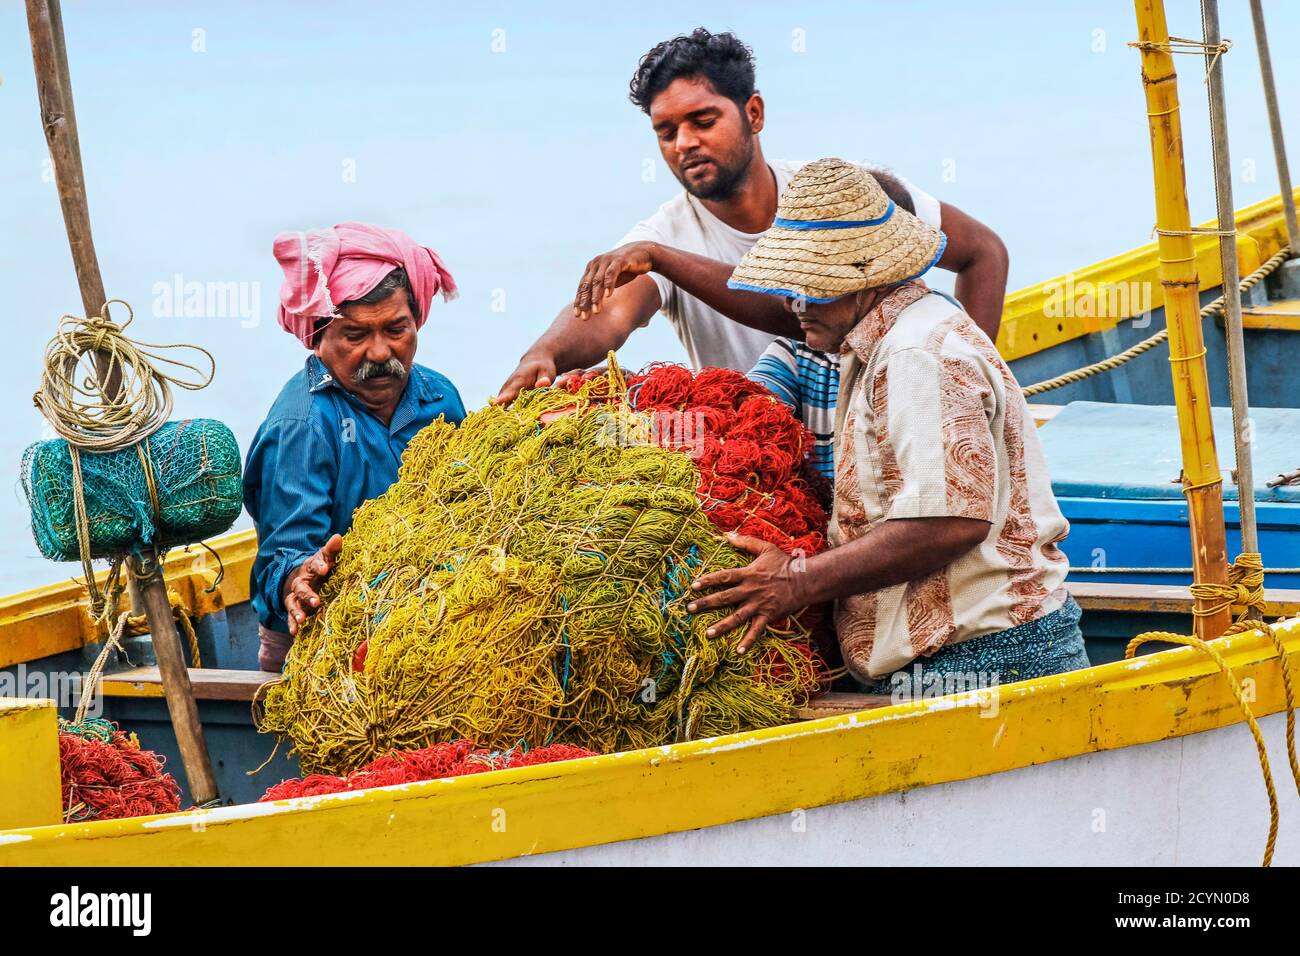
[931, 423]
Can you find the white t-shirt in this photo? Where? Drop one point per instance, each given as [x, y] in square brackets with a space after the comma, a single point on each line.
[710, 338]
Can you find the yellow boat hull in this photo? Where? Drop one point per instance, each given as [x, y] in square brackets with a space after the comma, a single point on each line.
[830, 762]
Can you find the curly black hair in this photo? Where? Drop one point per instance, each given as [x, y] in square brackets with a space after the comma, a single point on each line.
[720, 58]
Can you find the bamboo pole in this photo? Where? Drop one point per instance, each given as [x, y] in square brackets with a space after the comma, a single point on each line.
[1226, 217]
[1202, 480]
[54, 89]
[1275, 125]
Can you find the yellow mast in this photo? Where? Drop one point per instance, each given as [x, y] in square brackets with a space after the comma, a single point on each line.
[1202, 479]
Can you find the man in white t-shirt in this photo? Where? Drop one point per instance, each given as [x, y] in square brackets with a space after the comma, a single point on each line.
[699, 93]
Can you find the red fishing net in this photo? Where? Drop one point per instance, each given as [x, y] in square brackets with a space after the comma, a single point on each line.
[106, 776]
[752, 455]
[750, 450]
[430, 763]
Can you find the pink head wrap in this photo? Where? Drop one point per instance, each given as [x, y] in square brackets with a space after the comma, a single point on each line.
[323, 267]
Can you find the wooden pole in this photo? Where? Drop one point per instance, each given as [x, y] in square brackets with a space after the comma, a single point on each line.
[1275, 125]
[181, 706]
[54, 89]
[1235, 337]
[1202, 480]
[59, 120]
[65, 83]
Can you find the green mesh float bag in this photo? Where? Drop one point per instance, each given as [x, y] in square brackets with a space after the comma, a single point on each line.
[196, 473]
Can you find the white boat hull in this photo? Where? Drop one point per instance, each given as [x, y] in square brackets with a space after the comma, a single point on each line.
[1197, 800]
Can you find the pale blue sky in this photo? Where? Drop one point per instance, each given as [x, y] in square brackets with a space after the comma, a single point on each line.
[521, 164]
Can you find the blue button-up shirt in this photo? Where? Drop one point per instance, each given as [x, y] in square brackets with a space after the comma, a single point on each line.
[318, 456]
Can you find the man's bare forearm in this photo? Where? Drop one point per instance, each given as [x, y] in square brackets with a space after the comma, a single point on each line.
[706, 279]
[978, 256]
[580, 343]
[900, 550]
[981, 289]
[576, 343]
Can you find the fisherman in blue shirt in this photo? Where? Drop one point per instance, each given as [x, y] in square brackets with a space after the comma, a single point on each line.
[356, 295]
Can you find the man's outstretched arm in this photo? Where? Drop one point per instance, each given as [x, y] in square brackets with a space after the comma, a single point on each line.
[696, 275]
[776, 584]
[572, 342]
[980, 260]
[974, 252]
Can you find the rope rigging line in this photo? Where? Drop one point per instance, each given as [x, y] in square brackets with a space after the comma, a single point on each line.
[1106, 570]
[1211, 51]
[1133, 351]
[77, 405]
[1194, 231]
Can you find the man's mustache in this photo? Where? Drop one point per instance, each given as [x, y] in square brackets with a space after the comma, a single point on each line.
[368, 370]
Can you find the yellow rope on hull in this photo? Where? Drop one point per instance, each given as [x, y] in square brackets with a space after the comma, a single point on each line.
[1243, 593]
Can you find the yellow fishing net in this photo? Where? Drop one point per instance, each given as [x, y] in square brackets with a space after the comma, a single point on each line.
[526, 580]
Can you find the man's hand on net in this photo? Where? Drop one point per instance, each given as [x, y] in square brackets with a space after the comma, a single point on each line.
[532, 372]
[302, 586]
[766, 590]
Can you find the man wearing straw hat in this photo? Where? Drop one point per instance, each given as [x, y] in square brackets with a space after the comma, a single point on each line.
[699, 94]
[944, 558]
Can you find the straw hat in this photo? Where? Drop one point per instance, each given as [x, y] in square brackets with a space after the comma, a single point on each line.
[836, 233]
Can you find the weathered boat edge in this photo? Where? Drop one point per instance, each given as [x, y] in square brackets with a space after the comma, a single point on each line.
[497, 816]
[1195, 800]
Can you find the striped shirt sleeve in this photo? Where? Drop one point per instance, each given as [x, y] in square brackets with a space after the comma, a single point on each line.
[778, 372]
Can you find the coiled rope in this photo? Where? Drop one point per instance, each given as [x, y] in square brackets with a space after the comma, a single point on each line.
[102, 392]
[75, 401]
[1146, 345]
[1244, 594]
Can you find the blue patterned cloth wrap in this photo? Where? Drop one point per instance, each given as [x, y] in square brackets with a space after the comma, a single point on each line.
[1051, 644]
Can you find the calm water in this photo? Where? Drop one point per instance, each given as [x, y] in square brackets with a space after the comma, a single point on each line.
[502, 136]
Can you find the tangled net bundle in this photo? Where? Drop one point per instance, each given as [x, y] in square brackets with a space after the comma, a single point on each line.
[106, 776]
[430, 763]
[179, 485]
[119, 474]
[526, 578]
